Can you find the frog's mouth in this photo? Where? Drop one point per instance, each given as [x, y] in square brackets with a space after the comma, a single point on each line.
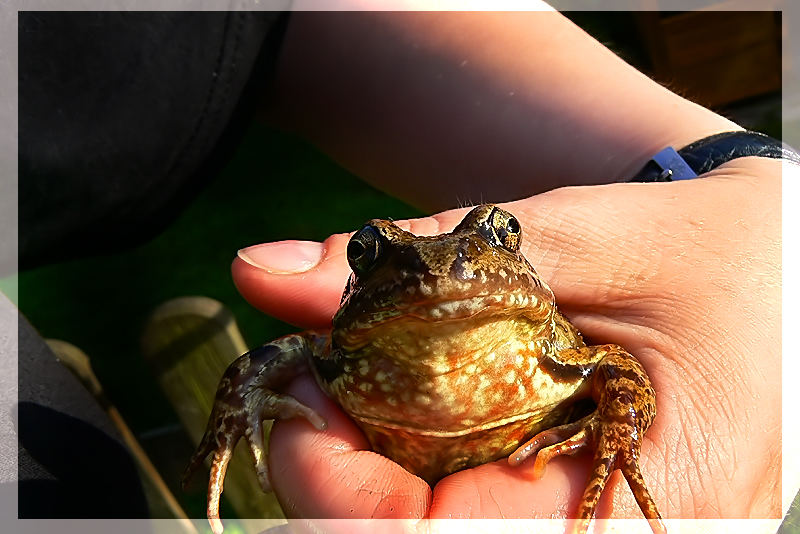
[453, 314]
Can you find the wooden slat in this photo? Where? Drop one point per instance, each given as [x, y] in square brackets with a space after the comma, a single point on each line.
[190, 342]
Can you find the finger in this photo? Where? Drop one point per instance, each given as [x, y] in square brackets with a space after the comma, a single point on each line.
[333, 474]
[299, 282]
[497, 490]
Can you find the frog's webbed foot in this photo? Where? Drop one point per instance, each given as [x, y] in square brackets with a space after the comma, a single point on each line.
[625, 409]
[245, 397]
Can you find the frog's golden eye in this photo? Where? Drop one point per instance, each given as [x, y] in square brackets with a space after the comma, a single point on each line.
[502, 229]
[510, 234]
[363, 249]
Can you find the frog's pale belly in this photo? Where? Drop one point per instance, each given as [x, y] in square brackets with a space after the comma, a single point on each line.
[432, 455]
[447, 381]
[451, 407]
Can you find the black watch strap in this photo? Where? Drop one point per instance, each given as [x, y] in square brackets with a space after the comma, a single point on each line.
[706, 154]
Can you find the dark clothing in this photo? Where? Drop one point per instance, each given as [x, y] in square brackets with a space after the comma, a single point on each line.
[71, 464]
[123, 115]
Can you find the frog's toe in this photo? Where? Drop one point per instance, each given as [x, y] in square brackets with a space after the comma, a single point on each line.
[568, 446]
[612, 450]
[275, 406]
[221, 444]
[200, 454]
[219, 465]
[229, 422]
[615, 453]
[287, 407]
[631, 472]
[564, 439]
[255, 439]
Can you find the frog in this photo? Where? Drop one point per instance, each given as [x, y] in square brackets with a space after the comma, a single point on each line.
[448, 352]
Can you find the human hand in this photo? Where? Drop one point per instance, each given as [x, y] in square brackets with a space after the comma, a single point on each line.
[684, 275]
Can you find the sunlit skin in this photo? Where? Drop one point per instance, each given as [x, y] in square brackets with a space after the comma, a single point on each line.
[641, 281]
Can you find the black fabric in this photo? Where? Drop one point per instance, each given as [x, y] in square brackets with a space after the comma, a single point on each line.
[710, 152]
[122, 115]
[70, 469]
[71, 462]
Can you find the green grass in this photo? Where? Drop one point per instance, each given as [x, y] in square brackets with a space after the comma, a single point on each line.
[791, 524]
[8, 287]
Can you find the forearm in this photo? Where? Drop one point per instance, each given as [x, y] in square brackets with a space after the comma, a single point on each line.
[439, 108]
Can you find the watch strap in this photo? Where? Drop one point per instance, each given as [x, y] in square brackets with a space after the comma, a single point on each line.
[708, 153]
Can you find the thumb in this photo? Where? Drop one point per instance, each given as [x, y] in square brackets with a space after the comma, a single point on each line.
[301, 282]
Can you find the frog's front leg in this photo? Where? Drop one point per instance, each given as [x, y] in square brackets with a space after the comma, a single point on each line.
[626, 407]
[247, 394]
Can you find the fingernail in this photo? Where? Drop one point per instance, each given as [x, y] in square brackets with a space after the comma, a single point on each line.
[283, 257]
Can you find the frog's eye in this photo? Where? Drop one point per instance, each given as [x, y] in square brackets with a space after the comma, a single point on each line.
[502, 229]
[363, 249]
[510, 234]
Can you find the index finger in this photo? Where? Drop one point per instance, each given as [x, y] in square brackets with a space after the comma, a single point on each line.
[333, 474]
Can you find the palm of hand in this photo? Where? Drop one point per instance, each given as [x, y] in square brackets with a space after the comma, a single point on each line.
[691, 288]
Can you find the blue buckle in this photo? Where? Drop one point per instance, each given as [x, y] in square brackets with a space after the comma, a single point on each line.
[673, 166]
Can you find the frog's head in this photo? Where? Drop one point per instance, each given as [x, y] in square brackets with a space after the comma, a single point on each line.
[477, 270]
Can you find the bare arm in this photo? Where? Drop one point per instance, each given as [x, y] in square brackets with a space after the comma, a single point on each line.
[448, 108]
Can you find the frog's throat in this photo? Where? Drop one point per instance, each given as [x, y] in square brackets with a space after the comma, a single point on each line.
[535, 415]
